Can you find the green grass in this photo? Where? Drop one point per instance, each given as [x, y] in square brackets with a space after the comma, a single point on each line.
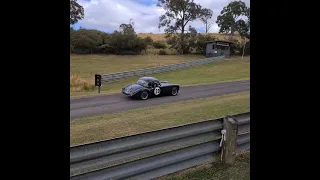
[141, 120]
[216, 171]
[87, 65]
[235, 69]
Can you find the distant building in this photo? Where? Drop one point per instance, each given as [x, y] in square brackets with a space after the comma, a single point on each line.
[218, 48]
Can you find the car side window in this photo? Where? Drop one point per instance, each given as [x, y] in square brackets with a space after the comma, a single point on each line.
[156, 83]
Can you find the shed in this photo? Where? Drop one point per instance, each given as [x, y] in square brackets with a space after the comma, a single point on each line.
[218, 48]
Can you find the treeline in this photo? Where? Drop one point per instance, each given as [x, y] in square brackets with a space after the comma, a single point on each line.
[179, 36]
[126, 41]
[94, 41]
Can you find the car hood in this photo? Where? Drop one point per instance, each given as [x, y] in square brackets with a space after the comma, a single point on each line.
[132, 87]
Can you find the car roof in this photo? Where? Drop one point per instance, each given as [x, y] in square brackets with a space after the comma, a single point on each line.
[148, 79]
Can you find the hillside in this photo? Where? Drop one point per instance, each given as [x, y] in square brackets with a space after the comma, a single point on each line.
[160, 37]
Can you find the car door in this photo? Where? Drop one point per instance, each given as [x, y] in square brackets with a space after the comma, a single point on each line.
[155, 88]
[151, 87]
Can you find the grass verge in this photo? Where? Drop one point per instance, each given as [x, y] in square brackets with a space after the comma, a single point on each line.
[86, 66]
[216, 171]
[232, 70]
[141, 120]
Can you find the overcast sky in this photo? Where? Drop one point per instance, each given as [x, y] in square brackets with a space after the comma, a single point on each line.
[107, 15]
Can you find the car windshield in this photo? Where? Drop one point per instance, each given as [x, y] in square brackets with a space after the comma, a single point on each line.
[142, 83]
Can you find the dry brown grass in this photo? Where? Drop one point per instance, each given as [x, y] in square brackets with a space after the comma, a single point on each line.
[160, 37]
[79, 85]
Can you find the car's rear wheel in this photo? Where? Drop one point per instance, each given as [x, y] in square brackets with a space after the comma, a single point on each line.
[144, 95]
[174, 91]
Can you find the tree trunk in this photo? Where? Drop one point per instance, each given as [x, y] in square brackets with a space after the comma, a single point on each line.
[244, 46]
[182, 40]
[206, 27]
[232, 33]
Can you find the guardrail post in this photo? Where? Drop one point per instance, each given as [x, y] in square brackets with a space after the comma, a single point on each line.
[229, 145]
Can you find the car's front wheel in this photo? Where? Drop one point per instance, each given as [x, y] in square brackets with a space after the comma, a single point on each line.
[174, 91]
[144, 95]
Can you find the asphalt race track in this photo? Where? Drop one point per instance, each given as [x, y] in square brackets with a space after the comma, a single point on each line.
[103, 104]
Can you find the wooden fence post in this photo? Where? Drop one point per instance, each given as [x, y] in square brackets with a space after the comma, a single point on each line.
[229, 146]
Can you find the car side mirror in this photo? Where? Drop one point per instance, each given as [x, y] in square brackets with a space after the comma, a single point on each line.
[149, 84]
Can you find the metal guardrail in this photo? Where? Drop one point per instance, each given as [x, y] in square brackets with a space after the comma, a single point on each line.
[154, 154]
[147, 71]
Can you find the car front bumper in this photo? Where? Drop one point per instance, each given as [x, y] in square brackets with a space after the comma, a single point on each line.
[127, 94]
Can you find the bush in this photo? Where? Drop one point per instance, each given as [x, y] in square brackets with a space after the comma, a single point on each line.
[77, 84]
[148, 40]
[85, 39]
[247, 49]
[93, 41]
[126, 53]
[127, 42]
[159, 45]
[237, 49]
[162, 52]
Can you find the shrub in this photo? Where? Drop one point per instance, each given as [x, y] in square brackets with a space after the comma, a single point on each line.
[148, 40]
[162, 52]
[159, 45]
[77, 84]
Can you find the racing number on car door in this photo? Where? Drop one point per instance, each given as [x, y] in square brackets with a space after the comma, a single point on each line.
[157, 91]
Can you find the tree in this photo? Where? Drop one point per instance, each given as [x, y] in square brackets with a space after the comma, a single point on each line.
[230, 19]
[248, 23]
[126, 39]
[190, 40]
[85, 39]
[207, 14]
[177, 15]
[127, 29]
[72, 32]
[76, 12]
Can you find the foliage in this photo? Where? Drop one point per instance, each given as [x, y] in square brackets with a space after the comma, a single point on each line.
[76, 12]
[159, 45]
[123, 40]
[163, 52]
[231, 19]
[194, 41]
[177, 15]
[247, 49]
[126, 40]
[148, 40]
[85, 39]
[237, 48]
[207, 14]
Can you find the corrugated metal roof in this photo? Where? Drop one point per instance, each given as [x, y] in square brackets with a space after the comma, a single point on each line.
[219, 41]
